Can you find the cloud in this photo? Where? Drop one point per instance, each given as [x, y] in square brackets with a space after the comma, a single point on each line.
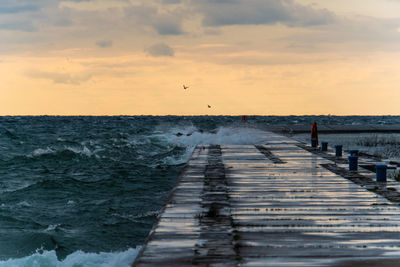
[61, 23]
[167, 25]
[104, 43]
[60, 78]
[258, 12]
[24, 26]
[22, 15]
[159, 50]
[164, 22]
[361, 31]
[19, 15]
[12, 7]
[171, 1]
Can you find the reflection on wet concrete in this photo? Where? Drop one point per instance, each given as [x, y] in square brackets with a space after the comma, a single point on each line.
[274, 207]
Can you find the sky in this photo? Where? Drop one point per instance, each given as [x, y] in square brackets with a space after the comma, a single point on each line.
[241, 57]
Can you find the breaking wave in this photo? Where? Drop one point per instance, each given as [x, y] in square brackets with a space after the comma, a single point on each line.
[79, 258]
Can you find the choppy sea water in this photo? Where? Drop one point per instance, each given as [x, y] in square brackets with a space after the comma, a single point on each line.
[85, 191]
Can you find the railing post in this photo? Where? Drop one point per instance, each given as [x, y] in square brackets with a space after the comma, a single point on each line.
[314, 142]
[353, 152]
[324, 146]
[381, 173]
[338, 150]
[353, 163]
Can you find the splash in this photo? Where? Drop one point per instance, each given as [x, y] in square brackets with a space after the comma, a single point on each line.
[189, 137]
[78, 258]
[221, 136]
[42, 151]
[82, 150]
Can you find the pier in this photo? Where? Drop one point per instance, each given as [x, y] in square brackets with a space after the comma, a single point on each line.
[279, 203]
[330, 129]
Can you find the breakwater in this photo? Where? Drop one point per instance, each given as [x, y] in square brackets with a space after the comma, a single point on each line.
[240, 205]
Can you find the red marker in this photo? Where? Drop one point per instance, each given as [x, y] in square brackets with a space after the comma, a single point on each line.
[314, 132]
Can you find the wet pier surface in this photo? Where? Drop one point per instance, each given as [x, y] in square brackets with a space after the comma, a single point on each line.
[273, 204]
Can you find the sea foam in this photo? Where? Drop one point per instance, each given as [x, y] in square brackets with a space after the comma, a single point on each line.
[78, 258]
[191, 137]
[221, 136]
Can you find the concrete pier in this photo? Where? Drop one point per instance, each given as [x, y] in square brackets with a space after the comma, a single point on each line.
[297, 129]
[273, 204]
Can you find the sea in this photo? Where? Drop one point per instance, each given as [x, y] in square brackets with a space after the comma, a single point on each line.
[86, 190]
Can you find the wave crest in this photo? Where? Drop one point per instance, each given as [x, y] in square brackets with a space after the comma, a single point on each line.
[80, 151]
[78, 258]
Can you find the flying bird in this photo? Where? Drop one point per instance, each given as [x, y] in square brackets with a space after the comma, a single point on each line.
[209, 106]
[185, 87]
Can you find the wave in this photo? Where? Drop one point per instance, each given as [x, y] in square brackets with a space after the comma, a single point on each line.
[43, 151]
[24, 204]
[67, 149]
[78, 258]
[137, 217]
[189, 137]
[170, 147]
[223, 135]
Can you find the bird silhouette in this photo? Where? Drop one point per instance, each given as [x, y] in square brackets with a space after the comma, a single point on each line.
[185, 87]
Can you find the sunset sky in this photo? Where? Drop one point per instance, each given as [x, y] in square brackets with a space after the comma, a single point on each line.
[263, 57]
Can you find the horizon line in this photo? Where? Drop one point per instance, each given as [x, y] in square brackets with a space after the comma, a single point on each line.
[197, 115]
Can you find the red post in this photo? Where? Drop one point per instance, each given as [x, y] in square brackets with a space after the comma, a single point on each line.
[314, 132]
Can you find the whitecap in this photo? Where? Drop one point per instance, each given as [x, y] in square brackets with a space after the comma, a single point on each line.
[86, 151]
[52, 227]
[82, 151]
[24, 204]
[222, 136]
[192, 137]
[78, 258]
[135, 218]
[41, 151]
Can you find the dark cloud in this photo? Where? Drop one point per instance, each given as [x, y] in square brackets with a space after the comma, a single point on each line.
[20, 15]
[164, 23]
[12, 7]
[167, 25]
[171, 1]
[104, 43]
[159, 50]
[257, 12]
[168, 18]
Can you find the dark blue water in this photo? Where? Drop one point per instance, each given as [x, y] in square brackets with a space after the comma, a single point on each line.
[86, 191]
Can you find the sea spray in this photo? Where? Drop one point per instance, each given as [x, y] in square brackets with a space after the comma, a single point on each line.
[79, 258]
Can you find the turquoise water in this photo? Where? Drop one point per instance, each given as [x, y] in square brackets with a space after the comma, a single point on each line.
[85, 191]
